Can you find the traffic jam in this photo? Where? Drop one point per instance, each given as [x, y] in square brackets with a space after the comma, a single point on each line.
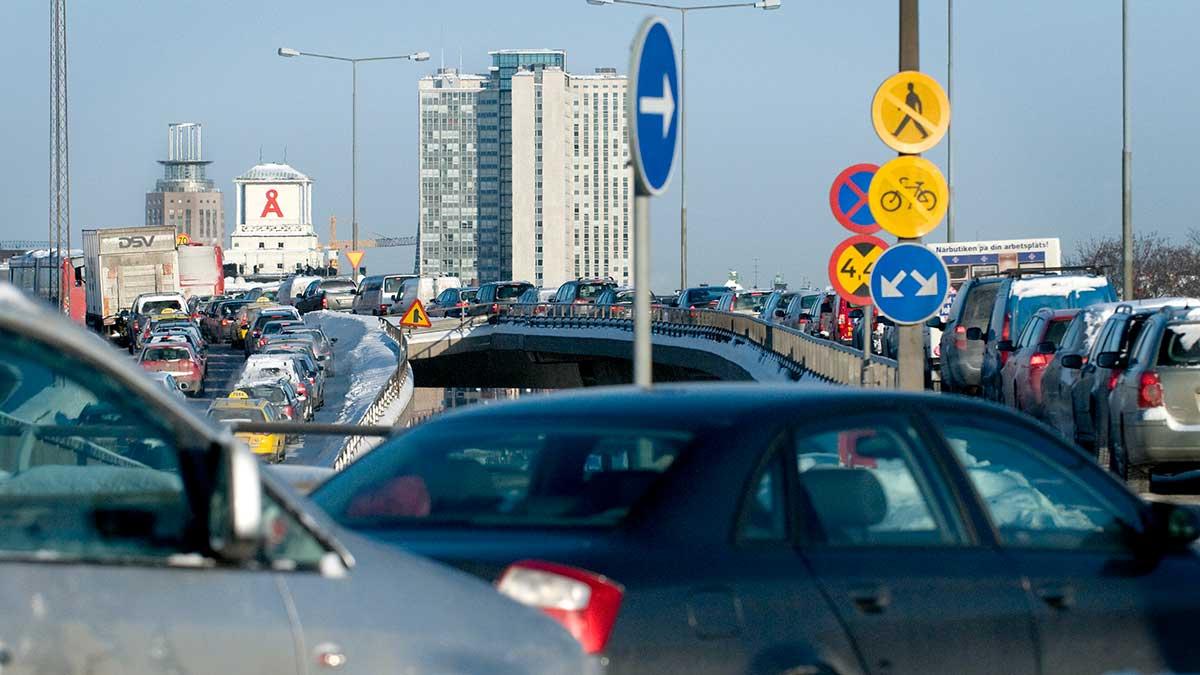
[1014, 502]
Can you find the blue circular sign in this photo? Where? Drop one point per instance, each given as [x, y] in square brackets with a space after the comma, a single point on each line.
[909, 283]
[653, 107]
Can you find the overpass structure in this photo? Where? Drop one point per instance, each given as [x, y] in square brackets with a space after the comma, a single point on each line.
[559, 346]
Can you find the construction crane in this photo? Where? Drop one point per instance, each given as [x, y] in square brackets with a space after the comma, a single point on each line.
[379, 241]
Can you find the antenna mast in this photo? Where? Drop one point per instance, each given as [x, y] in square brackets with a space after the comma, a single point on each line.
[60, 167]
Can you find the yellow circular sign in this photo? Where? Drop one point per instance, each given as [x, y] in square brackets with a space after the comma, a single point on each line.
[182, 240]
[910, 112]
[909, 197]
[851, 264]
[263, 299]
[238, 394]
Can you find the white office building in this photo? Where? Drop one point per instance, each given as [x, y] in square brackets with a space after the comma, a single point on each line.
[274, 235]
[602, 189]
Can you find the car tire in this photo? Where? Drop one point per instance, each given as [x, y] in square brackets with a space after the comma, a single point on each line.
[1136, 477]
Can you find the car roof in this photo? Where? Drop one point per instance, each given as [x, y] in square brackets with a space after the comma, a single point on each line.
[706, 405]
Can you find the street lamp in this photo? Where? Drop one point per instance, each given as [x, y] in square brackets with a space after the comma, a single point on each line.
[288, 52]
[683, 12]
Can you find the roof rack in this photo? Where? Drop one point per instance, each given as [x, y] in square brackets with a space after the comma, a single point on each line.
[1097, 270]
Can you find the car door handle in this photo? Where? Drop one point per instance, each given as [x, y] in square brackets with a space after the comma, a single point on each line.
[1058, 596]
[871, 599]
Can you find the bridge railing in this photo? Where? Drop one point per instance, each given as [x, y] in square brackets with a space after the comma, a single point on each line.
[823, 358]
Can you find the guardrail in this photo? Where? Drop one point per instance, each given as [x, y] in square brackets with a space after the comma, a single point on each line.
[797, 351]
[374, 415]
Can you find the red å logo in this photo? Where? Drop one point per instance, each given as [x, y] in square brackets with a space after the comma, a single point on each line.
[272, 205]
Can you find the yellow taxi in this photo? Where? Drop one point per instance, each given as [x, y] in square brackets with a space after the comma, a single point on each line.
[239, 407]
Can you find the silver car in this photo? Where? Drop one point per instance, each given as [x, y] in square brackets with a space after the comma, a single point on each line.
[139, 538]
[1154, 409]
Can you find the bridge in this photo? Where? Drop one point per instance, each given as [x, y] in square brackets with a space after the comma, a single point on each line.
[559, 346]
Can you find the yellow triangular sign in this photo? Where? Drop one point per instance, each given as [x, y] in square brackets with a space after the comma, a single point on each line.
[355, 257]
[416, 317]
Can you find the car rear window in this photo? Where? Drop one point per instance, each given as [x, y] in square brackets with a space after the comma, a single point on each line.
[524, 475]
[510, 291]
[392, 284]
[1180, 345]
[272, 394]
[751, 301]
[157, 306]
[977, 308]
[591, 291]
[338, 286]
[165, 354]
[469, 296]
[1057, 330]
[703, 296]
[237, 414]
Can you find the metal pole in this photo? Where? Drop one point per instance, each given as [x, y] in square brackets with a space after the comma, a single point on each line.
[950, 97]
[354, 164]
[1126, 163]
[642, 364]
[912, 338]
[682, 149]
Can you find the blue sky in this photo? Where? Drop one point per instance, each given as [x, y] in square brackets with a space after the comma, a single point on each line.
[777, 104]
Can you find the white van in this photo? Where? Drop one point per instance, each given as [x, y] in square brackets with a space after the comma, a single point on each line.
[423, 289]
[292, 287]
[377, 293]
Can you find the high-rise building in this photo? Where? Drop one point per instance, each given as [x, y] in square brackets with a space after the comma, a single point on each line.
[551, 194]
[448, 157]
[602, 189]
[184, 197]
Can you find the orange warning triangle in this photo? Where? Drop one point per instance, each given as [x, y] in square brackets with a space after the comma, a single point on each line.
[355, 257]
[415, 317]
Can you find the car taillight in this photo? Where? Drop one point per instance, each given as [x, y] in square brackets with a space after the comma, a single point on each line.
[1112, 379]
[262, 342]
[495, 308]
[289, 411]
[1150, 391]
[585, 603]
[301, 389]
[1004, 336]
[195, 317]
[257, 333]
[136, 326]
[384, 308]
[960, 337]
[324, 303]
[224, 322]
[1040, 360]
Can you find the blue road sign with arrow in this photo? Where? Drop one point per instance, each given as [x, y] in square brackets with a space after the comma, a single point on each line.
[654, 106]
[909, 283]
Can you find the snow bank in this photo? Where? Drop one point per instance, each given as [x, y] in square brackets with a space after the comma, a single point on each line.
[369, 363]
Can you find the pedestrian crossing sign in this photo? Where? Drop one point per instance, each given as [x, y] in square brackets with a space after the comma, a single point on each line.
[910, 112]
[415, 317]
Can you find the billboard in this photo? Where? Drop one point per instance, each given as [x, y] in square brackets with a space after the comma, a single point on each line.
[966, 259]
[271, 204]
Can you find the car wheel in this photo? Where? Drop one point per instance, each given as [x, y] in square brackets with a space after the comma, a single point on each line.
[1136, 477]
[1100, 444]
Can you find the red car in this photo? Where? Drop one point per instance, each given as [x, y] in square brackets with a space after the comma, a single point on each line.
[178, 359]
[1033, 350]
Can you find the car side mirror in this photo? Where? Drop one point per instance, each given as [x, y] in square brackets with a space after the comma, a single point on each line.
[235, 508]
[856, 313]
[333, 339]
[936, 322]
[1108, 359]
[1071, 361]
[1174, 526]
[1046, 347]
[1006, 346]
[974, 333]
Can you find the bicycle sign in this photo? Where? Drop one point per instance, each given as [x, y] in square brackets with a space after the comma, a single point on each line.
[851, 264]
[908, 197]
[910, 112]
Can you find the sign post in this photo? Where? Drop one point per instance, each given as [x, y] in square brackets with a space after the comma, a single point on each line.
[654, 127]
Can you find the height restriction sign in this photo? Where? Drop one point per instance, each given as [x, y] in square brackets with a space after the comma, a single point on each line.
[911, 112]
[851, 264]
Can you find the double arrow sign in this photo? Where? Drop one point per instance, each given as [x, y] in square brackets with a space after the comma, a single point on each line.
[891, 287]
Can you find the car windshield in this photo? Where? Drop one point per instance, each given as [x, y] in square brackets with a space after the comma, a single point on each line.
[524, 474]
[237, 414]
[1180, 345]
[510, 291]
[166, 354]
[703, 296]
